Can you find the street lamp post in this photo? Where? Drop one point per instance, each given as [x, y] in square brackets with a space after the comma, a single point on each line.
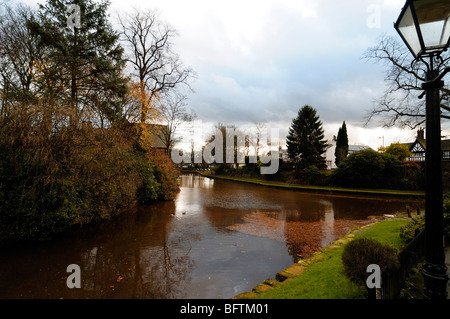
[424, 26]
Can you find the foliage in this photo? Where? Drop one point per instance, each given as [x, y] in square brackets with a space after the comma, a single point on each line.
[165, 173]
[305, 142]
[399, 151]
[85, 62]
[77, 175]
[361, 169]
[308, 176]
[252, 167]
[417, 224]
[447, 220]
[413, 177]
[341, 150]
[361, 252]
[370, 169]
[149, 189]
[414, 227]
[68, 156]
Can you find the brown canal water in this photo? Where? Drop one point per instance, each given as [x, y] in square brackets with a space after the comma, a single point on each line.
[215, 240]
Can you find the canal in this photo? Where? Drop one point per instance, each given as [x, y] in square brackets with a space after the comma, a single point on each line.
[215, 240]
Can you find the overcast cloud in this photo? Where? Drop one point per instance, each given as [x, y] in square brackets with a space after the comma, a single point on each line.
[262, 60]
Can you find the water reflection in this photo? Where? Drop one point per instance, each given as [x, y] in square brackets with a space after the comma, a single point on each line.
[196, 181]
[216, 239]
[328, 235]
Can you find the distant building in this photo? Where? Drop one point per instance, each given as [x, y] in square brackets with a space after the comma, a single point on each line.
[356, 148]
[159, 134]
[418, 148]
[330, 157]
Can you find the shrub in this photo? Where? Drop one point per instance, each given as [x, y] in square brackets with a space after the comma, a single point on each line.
[165, 173]
[399, 151]
[414, 227]
[361, 252]
[360, 169]
[413, 176]
[54, 176]
[149, 189]
[447, 220]
[368, 169]
[410, 230]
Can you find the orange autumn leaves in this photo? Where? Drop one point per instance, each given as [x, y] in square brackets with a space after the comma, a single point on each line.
[146, 100]
[303, 238]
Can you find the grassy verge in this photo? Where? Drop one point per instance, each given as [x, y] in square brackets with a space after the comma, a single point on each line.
[322, 275]
[321, 189]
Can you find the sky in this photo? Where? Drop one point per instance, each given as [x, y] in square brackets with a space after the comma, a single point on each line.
[262, 60]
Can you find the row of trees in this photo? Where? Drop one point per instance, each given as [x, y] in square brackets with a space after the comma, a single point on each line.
[76, 97]
[364, 169]
[306, 144]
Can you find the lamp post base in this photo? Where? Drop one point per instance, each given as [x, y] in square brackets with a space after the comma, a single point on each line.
[435, 281]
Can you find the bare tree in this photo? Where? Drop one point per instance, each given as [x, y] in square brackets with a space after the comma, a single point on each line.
[260, 127]
[402, 103]
[157, 68]
[19, 54]
[173, 113]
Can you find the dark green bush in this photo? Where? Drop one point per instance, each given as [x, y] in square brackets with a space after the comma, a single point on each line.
[361, 169]
[149, 189]
[413, 228]
[413, 177]
[417, 224]
[361, 252]
[369, 169]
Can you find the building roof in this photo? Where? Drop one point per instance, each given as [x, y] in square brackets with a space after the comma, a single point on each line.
[356, 148]
[413, 147]
[159, 134]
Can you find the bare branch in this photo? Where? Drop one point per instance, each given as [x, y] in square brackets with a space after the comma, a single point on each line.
[399, 104]
[157, 68]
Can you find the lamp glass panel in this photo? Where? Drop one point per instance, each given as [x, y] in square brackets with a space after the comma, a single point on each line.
[433, 17]
[435, 34]
[407, 29]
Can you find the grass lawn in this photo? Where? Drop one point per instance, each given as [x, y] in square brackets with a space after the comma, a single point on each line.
[323, 277]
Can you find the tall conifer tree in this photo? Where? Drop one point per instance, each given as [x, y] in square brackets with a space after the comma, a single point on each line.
[341, 150]
[305, 142]
[85, 54]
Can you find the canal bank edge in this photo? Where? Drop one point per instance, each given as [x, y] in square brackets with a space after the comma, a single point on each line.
[297, 269]
[319, 189]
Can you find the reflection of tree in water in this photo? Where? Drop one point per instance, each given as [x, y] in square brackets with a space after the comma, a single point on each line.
[163, 272]
[140, 261]
[302, 238]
